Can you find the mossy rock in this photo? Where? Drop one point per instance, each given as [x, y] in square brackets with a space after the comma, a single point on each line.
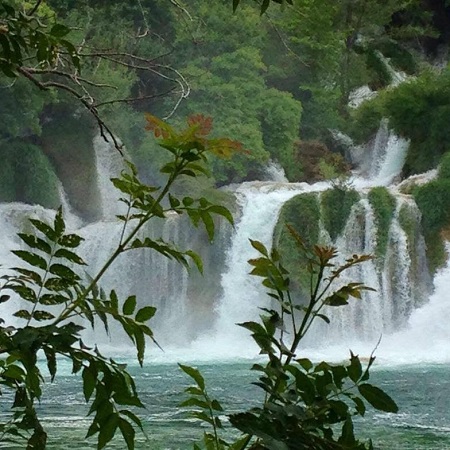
[433, 200]
[302, 213]
[67, 139]
[336, 207]
[27, 175]
[383, 204]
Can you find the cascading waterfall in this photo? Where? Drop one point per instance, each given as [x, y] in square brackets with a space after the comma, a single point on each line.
[401, 284]
[202, 312]
[243, 294]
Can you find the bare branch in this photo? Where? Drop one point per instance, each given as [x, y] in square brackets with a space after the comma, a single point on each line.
[182, 8]
[105, 131]
[134, 99]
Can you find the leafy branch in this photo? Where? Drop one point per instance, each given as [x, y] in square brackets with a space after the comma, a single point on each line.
[305, 404]
[57, 300]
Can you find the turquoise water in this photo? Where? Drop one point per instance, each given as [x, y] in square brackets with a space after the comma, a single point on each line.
[422, 393]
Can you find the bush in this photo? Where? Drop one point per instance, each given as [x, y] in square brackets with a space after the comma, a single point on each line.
[444, 167]
[306, 405]
[417, 110]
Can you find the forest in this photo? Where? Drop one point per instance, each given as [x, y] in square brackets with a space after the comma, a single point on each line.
[196, 96]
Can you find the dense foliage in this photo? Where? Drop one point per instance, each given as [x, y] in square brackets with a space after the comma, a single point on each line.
[268, 80]
[417, 110]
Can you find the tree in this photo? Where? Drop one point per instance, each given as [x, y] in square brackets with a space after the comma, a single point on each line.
[35, 44]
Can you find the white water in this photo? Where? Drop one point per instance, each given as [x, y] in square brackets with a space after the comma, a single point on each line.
[109, 164]
[424, 339]
[164, 284]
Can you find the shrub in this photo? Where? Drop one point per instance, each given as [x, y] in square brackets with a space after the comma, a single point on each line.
[306, 405]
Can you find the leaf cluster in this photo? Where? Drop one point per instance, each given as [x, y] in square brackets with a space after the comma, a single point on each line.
[24, 35]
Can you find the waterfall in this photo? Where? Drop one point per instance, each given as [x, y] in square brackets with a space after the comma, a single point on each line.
[200, 313]
[402, 282]
[109, 164]
[243, 294]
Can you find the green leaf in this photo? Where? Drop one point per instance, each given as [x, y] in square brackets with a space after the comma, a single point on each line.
[188, 201]
[44, 229]
[222, 211]
[140, 345]
[107, 430]
[35, 242]
[70, 240]
[89, 382]
[71, 256]
[58, 223]
[378, 398]
[25, 292]
[51, 361]
[216, 406]
[337, 299]
[209, 224]
[265, 4]
[260, 247]
[42, 315]
[58, 30]
[145, 314]
[240, 444]
[31, 258]
[347, 438]
[174, 202]
[193, 390]
[58, 284]
[323, 317]
[133, 417]
[195, 402]
[53, 299]
[23, 314]
[354, 369]
[114, 300]
[197, 260]
[129, 306]
[194, 374]
[64, 272]
[201, 415]
[30, 274]
[128, 433]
